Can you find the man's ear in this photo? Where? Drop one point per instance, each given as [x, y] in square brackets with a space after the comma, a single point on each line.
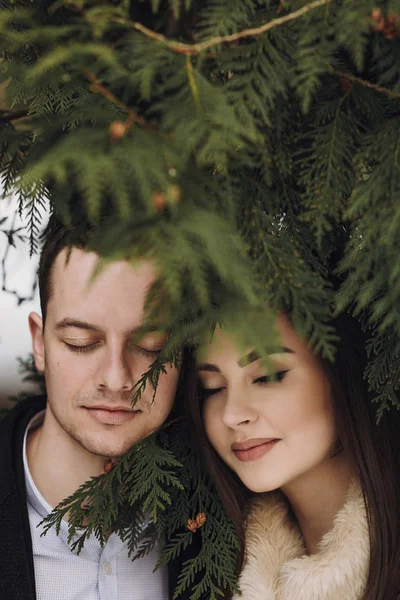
[36, 329]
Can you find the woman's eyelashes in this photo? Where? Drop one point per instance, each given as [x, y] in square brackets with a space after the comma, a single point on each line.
[276, 377]
[207, 392]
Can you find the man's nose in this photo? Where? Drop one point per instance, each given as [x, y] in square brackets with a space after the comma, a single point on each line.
[116, 373]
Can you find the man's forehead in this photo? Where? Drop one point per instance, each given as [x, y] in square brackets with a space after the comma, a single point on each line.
[74, 258]
[78, 278]
[86, 267]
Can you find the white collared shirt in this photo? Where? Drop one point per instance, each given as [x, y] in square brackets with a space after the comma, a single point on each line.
[97, 573]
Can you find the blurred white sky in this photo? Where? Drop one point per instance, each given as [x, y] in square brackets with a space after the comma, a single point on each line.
[14, 332]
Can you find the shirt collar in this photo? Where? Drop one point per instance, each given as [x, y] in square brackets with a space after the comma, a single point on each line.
[35, 499]
[42, 507]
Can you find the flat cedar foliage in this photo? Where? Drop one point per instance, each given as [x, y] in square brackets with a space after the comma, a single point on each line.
[251, 149]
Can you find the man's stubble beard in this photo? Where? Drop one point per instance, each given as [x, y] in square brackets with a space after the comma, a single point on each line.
[98, 448]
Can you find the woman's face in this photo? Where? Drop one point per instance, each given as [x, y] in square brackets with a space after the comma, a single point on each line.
[270, 431]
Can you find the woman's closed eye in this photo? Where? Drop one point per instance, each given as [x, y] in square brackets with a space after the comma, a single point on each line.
[207, 392]
[276, 377]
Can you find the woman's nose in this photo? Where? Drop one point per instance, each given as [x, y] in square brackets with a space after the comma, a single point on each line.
[238, 411]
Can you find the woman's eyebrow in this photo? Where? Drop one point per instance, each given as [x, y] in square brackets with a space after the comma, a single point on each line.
[243, 362]
[253, 356]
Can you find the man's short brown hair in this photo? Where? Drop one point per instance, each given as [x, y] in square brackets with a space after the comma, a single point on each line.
[57, 237]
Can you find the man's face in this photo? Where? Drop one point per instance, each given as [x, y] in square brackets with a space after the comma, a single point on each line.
[90, 357]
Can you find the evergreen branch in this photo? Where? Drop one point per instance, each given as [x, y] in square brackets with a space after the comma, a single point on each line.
[383, 370]
[146, 477]
[367, 84]
[194, 49]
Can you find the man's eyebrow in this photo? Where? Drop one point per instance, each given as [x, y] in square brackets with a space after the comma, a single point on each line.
[253, 356]
[78, 324]
[64, 323]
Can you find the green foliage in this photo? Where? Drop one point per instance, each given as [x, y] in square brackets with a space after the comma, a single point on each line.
[30, 375]
[147, 498]
[138, 482]
[327, 161]
[259, 170]
[383, 370]
[373, 282]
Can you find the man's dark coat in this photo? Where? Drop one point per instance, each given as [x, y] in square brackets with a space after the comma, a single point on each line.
[17, 579]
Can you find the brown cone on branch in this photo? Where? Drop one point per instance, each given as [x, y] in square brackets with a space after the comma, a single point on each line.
[118, 130]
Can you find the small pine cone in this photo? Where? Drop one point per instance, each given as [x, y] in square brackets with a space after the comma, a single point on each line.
[192, 525]
[376, 14]
[391, 30]
[173, 196]
[117, 130]
[108, 466]
[159, 201]
[201, 519]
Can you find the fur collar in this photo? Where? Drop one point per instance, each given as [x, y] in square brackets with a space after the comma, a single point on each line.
[277, 567]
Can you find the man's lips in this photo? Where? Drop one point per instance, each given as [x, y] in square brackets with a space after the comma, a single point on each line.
[111, 415]
[254, 448]
[111, 408]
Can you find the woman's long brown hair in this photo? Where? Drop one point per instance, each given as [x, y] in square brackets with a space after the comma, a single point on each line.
[374, 448]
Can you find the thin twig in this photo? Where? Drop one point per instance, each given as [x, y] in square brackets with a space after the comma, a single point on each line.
[367, 84]
[132, 116]
[192, 49]
[13, 116]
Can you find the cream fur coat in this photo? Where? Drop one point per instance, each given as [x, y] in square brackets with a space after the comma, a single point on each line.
[277, 567]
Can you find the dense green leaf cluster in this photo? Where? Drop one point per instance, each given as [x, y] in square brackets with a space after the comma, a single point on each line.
[147, 498]
[260, 169]
[265, 132]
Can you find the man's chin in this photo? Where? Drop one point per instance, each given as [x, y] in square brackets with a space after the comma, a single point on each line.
[106, 448]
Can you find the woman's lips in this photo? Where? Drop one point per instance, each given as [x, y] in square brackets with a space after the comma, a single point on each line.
[253, 449]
